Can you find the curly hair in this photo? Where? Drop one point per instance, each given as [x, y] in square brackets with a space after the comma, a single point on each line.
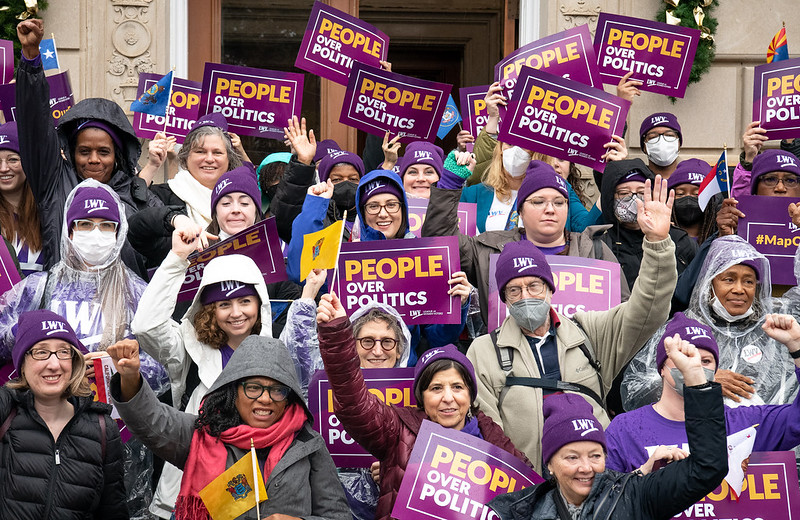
[209, 332]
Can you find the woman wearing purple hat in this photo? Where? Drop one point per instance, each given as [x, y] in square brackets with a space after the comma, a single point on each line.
[420, 167]
[686, 181]
[444, 388]
[61, 455]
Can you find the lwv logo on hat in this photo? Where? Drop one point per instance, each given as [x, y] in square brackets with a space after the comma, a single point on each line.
[221, 186]
[422, 154]
[696, 177]
[524, 263]
[230, 287]
[697, 332]
[585, 426]
[786, 160]
[93, 205]
[374, 186]
[428, 355]
[336, 153]
[4, 139]
[53, 327]
[658, 119]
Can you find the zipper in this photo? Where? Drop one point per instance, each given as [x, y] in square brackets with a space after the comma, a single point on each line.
[57, 455]
[58, 458]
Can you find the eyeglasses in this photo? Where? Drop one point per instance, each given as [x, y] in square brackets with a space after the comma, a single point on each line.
[652, 137]
[538, 203]
[373, 208]
[106, 226]
[277, 393]
[387, 344]
[42, 354]
[790, 180]
[535, 288]
[629, 194]
[12, 162]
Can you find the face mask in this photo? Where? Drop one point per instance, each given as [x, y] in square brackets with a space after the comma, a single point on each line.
[677, 376]
[530, 313]
[344, 195]
[271, 191]
[515, 161]
[687, 211]
[625, 209]
[723, 313]
[94, 246]
[663, 153]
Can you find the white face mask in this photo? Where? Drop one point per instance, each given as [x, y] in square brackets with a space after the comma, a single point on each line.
[663, 153]
[94, 246]
[723, 313]
[515, 161]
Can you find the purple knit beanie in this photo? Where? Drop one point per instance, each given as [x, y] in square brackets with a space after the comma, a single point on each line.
[540, 175]
[773, 161]
[446, 352]
[696, 333]
[9, 138]
[241, 180]
[422, 152]
[212, 119]
[659, 119]
[226, 290]
[518, 259]
[633, 175]
[35, 326]
[92, 202]
[377, 187]
[690, 171]
[568, 418]
[325, 147]
[102, 125]
[335, 157]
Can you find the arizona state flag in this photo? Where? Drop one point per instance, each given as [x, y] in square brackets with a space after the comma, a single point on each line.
[778, 49]
[321, 249]
[232, 493]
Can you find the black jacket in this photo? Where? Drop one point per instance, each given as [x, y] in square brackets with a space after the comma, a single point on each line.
[150, 230]
[627, 243]
[660, 494]
[52, 177]
[66, 479]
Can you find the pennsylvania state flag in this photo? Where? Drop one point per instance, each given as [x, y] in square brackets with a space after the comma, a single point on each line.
[49, 54]
[155, 99]
[778, 49]
[321, 249]
[232, 494]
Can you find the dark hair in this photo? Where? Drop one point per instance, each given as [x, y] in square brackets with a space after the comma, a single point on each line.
[207, 330]
[271, 174]
[426, 376]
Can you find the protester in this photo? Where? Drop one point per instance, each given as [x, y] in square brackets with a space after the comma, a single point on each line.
[660, 138]
[633, 437]
[573, 447]
[269, 173]
[686, 180]
[444, 387]
[733, 296]
[420, 167]
[752, 143]
[256, 398]
[547, 352]
[19, 216]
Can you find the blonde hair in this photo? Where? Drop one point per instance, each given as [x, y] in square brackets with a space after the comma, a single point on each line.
[496, 176]
[77, 386]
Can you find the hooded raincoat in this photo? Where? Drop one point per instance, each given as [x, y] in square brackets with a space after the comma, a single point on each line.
[743, 346]
[176, 345]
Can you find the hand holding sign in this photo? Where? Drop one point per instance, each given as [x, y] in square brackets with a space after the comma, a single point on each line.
[617, 150]
[753, 140]
[459, 286]
[654, 214]
[329, 308]
[30, 33]
[390, 151]
[494, 98]
[304, 144]
[728, 217]
[463, 138]
[665, 453]
[628, 88]
[794, 213]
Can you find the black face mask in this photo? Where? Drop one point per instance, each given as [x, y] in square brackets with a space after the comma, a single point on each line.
[344, 195]
[687, 211]
[271, 191]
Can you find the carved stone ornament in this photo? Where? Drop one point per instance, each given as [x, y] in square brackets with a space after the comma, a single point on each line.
[579, 12]
[131, 40]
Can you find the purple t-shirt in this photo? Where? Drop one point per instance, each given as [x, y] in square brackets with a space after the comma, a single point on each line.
[632, 437]
[226, 352]
[552, 250]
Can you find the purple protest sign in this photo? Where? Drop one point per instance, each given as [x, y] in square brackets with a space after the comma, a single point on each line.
[568, 54]
[9, 275]
[409, 274]
[776, 102]
[183, 106]
[378, 101]
[771, 492]
[452, 475]
[260, 242]
[255, 102]
[769, 229]
[334, 40]
[660, 55]
[60, 97]
[6, 61]
[467, 216]
[473, 110]
[562, 118]
[582, 284]
[393, 386]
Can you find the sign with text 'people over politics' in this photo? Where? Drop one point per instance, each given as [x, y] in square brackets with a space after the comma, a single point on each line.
[255, 102]
[6, 61]
[776, 98]
[334, 41]
[769, 228]
[409, 274]
[61, 98]
[378, 101]
[562, 118]
[452, 475]
[393, 386]
[660, 55]
[181, 112]
[473, 110]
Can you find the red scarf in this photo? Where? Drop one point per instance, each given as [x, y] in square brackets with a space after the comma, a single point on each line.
[208, 457]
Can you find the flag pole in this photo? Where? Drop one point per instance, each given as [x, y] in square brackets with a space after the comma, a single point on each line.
[55, 49]
[255, 475]
[169, 100]
[336, 266]
[727, 179]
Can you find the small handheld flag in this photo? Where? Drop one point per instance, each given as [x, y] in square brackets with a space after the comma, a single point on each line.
[321, 249]
[49, 54]
[716, 181]
[740, 446]
[778, 49]
[450, 118]
[155, 99]
[232, 493]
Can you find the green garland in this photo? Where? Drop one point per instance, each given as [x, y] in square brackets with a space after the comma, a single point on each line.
[685, 13]
[9, 21]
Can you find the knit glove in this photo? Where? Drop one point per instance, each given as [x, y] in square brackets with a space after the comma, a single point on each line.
[454, 175]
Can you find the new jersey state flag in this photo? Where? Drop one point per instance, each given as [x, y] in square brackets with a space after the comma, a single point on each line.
[716, 181]
[232, 494]
[155, 100]
[321, 249]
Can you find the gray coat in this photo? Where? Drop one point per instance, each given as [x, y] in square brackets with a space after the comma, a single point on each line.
[303, 483]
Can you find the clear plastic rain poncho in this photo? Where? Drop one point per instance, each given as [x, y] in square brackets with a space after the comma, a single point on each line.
[743, 346]
[99, 303]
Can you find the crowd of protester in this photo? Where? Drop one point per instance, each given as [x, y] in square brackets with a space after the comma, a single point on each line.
[197, 381]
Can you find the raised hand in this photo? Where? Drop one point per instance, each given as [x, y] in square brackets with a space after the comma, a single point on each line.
[784, 329]
[686, 359]
[753, 140]
[322, 189]
[654, 214]
[493, 99]
[462, 139]
[314, 281]
[329, 308]
[617, 150]
[390, 151]
[304, 144]
[628, 88]
[30, 33]
[125, 355]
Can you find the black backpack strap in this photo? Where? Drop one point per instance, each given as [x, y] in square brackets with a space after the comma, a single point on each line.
[554, 386]
[505, 355]
[588, 351]
[101, 418]
[192, 380]
[7, 423]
